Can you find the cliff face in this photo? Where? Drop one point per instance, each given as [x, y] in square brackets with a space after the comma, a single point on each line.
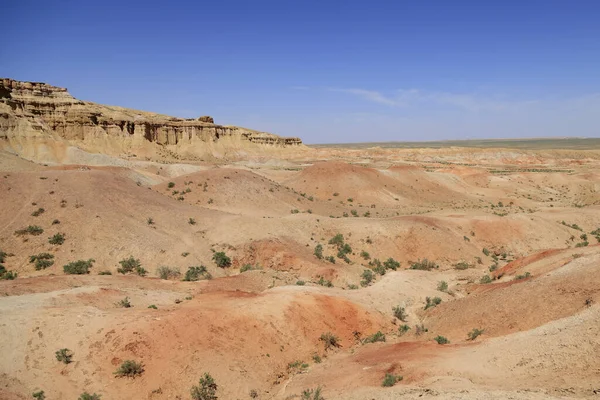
[31, 110]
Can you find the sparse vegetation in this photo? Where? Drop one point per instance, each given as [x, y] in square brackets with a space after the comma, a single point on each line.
[80, 267]
[33, 230]
[329, 340]
[432, 302]
[390, 263]
[150, 221]
[38, 212]
[196, 273]
[65, 356]
[474, 333]
[104, 273]
[153, 306]
[249, 267]
[39, 395]
[165, 272]
[424, 265]
[131, 264]
[42, 260]
[402, 329]
[420, 329]
[130, 369]
[300, 283]
[191, 221]
[206, 389]
[324, 282]
[367, 277]
[400, 313]
[57, 239]
[221, 259]
[376, 337]
[523, 276]
[124, 303]
[442, 286]
[441, 340]
[318, 251]
[331, 259]
[390, 380]
[171, 185]
[312, 394]
[87, 396]
[485, 279]
[462, 265]
[365, 255]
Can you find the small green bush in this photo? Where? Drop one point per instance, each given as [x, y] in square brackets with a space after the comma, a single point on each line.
[424, 265]
[400, 313]
[329, 340]
[376, 337]
[221, 259]
[300, 283]
[165, 272]
[337, 240]
[331, 259]
[42, 260]
[312, 394]
[442, 286]
[523, 276]
[7, 275]
[171, 185]
[33, 230]
[318, 251]
[390, 263]
[131, 264]
[390, 380]
[316, 358]
[402, 329]
[420, 329]
[38, 212]
[64, 356]
[429, 302]
[191, 221]
[462, 265]
[324, 282]
[80, 267]
[57, 239]
[124, 303]
[153, 307]
[365, 255]
[87, 396]
[486, 252]
[39, 395]
[196, 273]
[474, 333]
[104, 273]
[150, 221]
[485, 279]
[130, 369]
[206, 389]
[441, 340]
[367, 277]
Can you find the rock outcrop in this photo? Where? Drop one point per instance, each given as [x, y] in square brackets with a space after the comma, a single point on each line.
[33, 114]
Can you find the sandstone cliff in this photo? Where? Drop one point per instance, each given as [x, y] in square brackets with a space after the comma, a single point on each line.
[40, 122]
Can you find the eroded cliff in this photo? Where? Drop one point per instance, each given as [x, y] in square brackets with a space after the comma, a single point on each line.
[40, 121]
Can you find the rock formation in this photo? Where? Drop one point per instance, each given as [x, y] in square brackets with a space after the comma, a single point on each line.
[33, 114]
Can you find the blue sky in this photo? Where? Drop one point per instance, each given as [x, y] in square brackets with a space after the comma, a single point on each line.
[326, 71]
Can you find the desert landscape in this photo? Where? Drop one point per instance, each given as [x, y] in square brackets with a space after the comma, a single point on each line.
[145, 256]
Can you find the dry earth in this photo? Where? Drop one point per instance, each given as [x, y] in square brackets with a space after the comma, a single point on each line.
[513, 235]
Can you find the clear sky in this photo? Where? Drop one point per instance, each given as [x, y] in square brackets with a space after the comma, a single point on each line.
[326, 71]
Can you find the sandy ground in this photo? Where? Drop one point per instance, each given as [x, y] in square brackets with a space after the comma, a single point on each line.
[511, 234]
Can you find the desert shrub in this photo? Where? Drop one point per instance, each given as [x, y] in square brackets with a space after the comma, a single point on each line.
[165, 272]
[329, 340]
[185, 254]
[316, 358]
[462, 265]
[365, 255]
[295, 211]
[42, 260]
[87, 396]
[39, 395]
[191, 221]
[33, 230]
[104, 273]
[367, 214]
[206, 389]
[150, 221]
[318, 251]
[352, 286]
[486, 251]
[171, 185]
[390, 380]
[130, 369]
[55, 222]
[253, 394]
[38, 212]
[493, 267]
[523, 276]
[196, 273]
[337, 240]
[331, 259]
[297, 365]
[300, 283]
[378, 267]
[424, 265]
[250, 267]
[131, 265]
[485, 279]
[441, 340]
[124, 303]
[390, 263]
[400, 313]
[442, 286]
[474, 333]
[80, 267]
[7, 275]
[221, 259]
[58, 239]
[64, 356]
[324, 282]
[153, 306]
[420, 329]
[3, 256]
[402, 329]
[312, 394]
[376, 337]
[429, 302]
[367, 277]
[354, 213]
